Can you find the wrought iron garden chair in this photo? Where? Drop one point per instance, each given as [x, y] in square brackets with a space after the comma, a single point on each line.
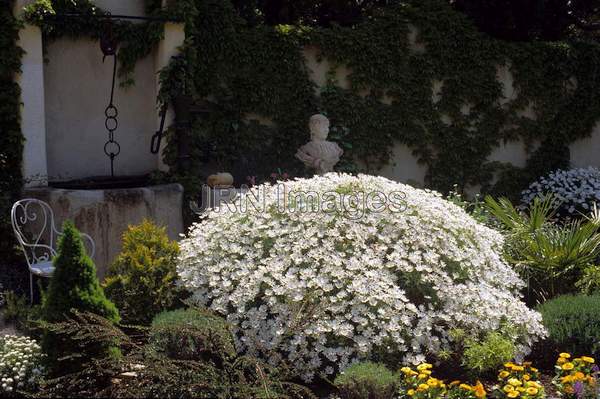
[33, 224]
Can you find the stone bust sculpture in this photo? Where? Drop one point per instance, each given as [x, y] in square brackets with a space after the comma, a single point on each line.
[319, 153]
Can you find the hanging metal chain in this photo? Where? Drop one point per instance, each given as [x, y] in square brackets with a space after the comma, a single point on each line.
[111, 147]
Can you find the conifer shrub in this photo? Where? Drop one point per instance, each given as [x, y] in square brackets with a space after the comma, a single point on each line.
[191, 334]
[141, 281]
[74, 284]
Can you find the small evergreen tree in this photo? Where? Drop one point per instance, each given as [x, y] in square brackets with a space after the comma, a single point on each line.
[74, 284]
[141, 281]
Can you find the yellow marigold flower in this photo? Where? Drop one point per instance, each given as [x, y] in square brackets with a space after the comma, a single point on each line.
[534, 384]
[503, 374]
[526, 377]
[532, 391]
[426, 372]
[588, 359]
[479, 390]
[432, 382]
[565, 355]
[423, 387]
[513, 394]
[567, 366]
[508, 365]
[566, 379]
[424, 366]
[455, 382]
[533, 369]
[422, 376]
[406, 370]
[561, 360]
[410, 392]
[521, 389]
[412, 372]
[508, 388]
[515, 382]
[518, 368]
[527, 364]
[578, 376]
[465, 386]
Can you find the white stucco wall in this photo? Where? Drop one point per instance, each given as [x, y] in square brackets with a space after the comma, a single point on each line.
[77, 86]
[33, 121]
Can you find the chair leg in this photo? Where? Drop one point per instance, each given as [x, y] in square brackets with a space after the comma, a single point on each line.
[31, 288]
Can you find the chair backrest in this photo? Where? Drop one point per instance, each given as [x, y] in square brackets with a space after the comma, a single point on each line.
[33, 224]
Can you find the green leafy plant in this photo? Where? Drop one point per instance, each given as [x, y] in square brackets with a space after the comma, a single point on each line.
[156, 376]
[141, 281]
[191, 334]
[489, 354]
[388, 95]
[573, 322]
[17, 310]
[589, 283]
[550, 256]
[11, 138]
[74, 284]
[367, 380]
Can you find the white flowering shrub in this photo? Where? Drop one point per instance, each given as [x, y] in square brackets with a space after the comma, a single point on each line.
[20, 364]
[576, 189]
[320, 290]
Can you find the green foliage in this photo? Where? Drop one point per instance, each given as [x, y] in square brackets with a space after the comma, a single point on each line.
[589, 283]
[17, 310]
[141, 280]
[11, 138]
[191, 334]
[573, 322]
[74, 284]
[528, 19]
[367, 380]
[489, 354]
[257, 73]
[73, 287]
[475, 207]
[158, 376]
[549, 256]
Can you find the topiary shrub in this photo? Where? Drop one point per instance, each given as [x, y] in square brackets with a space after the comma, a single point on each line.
[576, 189]
[74, 284]
[367, 381]
[573, 322]
[141, 281]
[191, 334]
[332, 275]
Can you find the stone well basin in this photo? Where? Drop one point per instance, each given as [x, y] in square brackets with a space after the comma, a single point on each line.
[104, 214]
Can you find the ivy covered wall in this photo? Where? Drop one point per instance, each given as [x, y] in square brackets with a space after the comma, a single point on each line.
[247, 71]
[11, 139]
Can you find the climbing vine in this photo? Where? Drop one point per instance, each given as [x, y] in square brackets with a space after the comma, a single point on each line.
[11, 139]
[438, 93]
